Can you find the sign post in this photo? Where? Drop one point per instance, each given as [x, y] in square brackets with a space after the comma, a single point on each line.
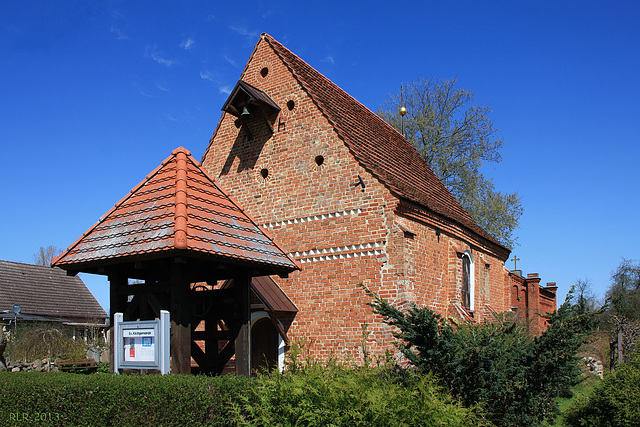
[142, 344]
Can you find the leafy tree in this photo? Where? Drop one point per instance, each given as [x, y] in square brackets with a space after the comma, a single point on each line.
[45, 255]
[455, 137]
[515, 376]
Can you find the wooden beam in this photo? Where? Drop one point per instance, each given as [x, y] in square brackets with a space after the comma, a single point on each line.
[243, 342]
[117, 303]
[278, 327]
[180, 320]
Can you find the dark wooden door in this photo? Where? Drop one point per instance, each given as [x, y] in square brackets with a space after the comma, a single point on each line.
[264, 345]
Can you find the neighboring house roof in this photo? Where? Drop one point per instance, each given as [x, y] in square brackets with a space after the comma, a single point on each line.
[177, 208]
[46, 291]
[379, 148]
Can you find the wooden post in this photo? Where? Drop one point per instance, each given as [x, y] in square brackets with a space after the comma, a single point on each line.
[243, 342]
[180, 320]
[117, 303]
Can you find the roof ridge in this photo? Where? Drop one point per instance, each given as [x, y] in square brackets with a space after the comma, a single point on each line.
[270, 39]
[180, 212]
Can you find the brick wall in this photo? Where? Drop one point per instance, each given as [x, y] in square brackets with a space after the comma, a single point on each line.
[299, 184]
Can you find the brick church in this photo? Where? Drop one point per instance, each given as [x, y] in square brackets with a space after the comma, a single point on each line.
[354, 203]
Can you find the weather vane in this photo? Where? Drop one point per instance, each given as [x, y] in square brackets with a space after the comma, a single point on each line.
[403, 109]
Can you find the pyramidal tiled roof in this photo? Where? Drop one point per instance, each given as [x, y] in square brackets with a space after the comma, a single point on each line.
[179, 207]
[380, 149]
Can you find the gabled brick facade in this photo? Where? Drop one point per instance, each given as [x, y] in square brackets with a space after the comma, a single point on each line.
[354, 203]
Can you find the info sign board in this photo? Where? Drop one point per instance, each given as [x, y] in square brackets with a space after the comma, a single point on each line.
[142, 344]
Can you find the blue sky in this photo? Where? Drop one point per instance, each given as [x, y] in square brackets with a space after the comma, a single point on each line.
[95, 94]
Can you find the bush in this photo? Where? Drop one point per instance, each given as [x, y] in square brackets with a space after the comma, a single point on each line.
[335, 395]
[62, 399]
[516, 377]
[314, 395]
[613, 402]
[44, 340]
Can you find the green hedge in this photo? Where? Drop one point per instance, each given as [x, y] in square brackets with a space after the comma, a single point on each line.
[311, 396]
[64, 399]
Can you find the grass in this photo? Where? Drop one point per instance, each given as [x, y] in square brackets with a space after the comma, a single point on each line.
[583, 388]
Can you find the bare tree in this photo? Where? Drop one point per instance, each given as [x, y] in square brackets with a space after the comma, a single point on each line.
[45, 255]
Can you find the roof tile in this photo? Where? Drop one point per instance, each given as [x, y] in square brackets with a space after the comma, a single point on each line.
[178, 206]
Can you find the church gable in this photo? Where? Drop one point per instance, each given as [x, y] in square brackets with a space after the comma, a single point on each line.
[352, 201]
[292, 167]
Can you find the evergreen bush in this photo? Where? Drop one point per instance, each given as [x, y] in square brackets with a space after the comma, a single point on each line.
[515, 376]
[613, 402]
[335, 395]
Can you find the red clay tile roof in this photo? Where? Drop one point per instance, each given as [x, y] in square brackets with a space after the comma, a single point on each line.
[382, 150]
[46, 291]
[177, 207]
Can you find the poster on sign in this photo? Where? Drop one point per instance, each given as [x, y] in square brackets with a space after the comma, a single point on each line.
[139, 345]
[142, 344]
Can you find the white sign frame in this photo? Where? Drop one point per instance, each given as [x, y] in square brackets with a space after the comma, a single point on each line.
[142, 344]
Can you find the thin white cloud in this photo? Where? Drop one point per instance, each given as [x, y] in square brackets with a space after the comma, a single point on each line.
[162, 88]
[329, 59]
[119, 34]
[187, 44]
[157, 56]
[170, 117]
[222, 88]
[116, 14]
[244, 32]
[230, 61]
[205, 75]
[145, 93]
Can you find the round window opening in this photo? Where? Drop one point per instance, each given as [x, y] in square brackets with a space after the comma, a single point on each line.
[319, 160]
[264, 71]
[291, 104]
[264, 173]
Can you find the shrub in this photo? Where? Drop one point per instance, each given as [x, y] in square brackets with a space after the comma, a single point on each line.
[62, 399]
[613, 402]
[314, 395]
[516, 377]
[44, 340]
[334, 395]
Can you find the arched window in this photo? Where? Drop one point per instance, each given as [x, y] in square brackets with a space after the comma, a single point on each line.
[468, 290]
